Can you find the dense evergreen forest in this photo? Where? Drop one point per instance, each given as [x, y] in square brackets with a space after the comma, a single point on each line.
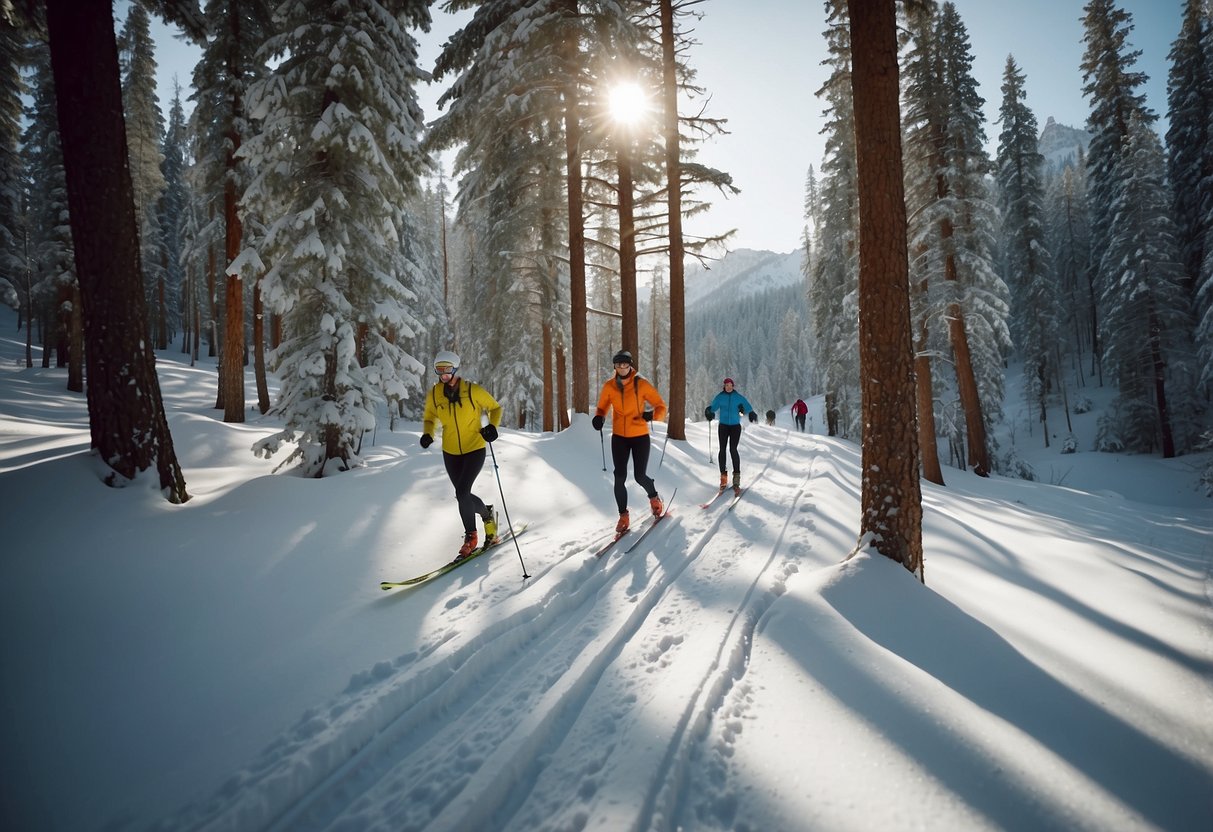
[294, 223]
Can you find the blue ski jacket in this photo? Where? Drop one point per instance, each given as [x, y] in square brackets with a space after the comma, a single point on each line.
[726, 407]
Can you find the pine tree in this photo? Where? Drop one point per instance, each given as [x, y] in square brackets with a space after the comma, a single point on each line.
[172, 209]
[336, 156]
[1111, 86]
[127, 421]
[520, 87]
[891, 519]
[924, 133]
[1070, 246]
[144, 138]
[1147, 342]
[228, 65]
[12, 86]
[1190, 151]
[50, 233]
[1029, 269]
[834, 283]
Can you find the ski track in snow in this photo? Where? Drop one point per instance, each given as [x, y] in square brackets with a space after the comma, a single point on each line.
[442, 738]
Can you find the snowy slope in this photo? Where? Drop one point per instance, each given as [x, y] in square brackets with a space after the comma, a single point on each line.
[232, 664]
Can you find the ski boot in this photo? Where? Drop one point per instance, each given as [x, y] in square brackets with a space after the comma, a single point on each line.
[655, 505]
[469, 546]
[624, 522]
[490, 526]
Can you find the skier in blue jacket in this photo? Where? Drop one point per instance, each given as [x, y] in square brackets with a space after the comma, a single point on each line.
[730, 404]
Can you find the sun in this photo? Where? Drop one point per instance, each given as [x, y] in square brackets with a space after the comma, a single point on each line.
[628, 103]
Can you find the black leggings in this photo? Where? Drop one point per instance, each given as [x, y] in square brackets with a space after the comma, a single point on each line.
[637, 447]
[463, 470]
[730, 435]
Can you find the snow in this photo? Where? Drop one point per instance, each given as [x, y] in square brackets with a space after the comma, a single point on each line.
[231, 663]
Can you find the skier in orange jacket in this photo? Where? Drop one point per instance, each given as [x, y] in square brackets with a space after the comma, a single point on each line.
[626, 393]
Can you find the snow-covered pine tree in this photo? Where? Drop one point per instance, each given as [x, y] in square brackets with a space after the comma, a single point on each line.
[1069, 243]
[923, 130]
[1111, 86]
[975, 298]
[1029, 270]
[229, 63]
[834, 283]
[514, 60]
[12, 87]
[53, 260]
[421, 274]
[1190, 152]
[1147, 341]
[172, 209]
[336, 156]
[144, 137]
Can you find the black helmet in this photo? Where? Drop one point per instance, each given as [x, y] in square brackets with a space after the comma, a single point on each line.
[623, 357]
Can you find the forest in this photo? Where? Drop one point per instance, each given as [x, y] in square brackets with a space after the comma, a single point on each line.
[295, 224]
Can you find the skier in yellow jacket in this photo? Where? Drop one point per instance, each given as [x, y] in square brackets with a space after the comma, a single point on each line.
[626, 393]
[457, 405]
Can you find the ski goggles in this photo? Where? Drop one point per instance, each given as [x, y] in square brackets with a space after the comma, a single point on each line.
[444, 369]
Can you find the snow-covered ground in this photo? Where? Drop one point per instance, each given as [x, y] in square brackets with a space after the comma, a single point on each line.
[231, 664]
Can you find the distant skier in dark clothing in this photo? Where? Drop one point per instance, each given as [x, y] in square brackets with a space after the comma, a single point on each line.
[799, 411]
[730, 404]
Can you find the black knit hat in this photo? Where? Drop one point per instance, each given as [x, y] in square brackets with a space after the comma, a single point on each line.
[623, 357]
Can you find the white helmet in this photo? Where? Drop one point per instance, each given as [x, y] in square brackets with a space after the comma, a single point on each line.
[446, 362]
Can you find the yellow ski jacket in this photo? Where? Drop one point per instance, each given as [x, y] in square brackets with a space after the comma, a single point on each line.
[460, 417]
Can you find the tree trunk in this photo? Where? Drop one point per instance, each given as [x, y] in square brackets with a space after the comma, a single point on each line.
[549, 423]
[966, 382]
[676, 426]
[75, 340]
[627, 254]
[578, 313]
[1159, 364]
[924, 386]
[162, 307]
[891, 520]
[231, 367]
[263, 388]
[126, 413]
[562, 386]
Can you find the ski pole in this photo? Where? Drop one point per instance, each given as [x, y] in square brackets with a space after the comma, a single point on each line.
[508, 523]
[663, 444]
[709, 441]
[602, 445]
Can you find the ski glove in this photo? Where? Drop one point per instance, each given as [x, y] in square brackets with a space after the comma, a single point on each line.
[708, 414]
[426, 440]
[648, 415]
[597, 422]
[753, 416]
[489, 432]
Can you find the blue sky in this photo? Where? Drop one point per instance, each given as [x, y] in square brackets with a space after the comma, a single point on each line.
[761, 62]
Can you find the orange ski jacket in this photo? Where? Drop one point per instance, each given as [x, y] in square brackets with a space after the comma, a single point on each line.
[627, 397]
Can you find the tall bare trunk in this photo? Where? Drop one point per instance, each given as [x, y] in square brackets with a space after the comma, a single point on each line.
[627, 254]
[231, 368]
[891, 520]
[562, 386]
[127, 422]
[549, 423]
[577, 292]
[673, 174]
[263, 389]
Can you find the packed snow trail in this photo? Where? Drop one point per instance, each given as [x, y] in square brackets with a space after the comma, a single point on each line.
[445, 738]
